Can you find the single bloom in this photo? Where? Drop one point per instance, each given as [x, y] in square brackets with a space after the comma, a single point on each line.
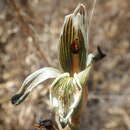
[67, 88]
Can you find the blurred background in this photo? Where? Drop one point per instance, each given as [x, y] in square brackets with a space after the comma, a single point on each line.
[29, 33]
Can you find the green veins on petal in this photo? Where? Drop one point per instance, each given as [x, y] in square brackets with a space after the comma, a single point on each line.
[73, 40]
[65, 95]
[32, 81]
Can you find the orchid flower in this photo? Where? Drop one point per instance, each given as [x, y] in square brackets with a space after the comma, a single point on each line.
[67, 88]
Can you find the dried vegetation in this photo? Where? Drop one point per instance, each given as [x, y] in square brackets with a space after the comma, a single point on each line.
[29, 32]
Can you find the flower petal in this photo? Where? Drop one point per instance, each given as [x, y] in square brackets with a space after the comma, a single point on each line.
[65, 96]
[83, 75]
[73, 40]
[32, 81]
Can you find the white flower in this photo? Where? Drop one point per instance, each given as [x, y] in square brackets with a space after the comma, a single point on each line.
[67, 88]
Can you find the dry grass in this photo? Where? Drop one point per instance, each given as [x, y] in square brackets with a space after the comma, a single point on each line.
[109, 92]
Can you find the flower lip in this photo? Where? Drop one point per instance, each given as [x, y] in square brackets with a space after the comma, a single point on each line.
[65, 95]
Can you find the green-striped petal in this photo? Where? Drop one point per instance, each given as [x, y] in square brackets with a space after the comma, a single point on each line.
[65, 96]
[32, 81]
[73, 40]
